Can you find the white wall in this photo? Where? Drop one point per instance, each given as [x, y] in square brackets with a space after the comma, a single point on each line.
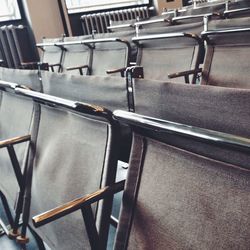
[45, 18]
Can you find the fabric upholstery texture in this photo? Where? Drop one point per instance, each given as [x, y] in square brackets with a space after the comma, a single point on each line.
[127, 206]
[239, 5]
[161, 57]
[28, 78]
[109, 92]
[227, 55]
[52, 54]
[117, 54]
[195, 28]
[215, 108]
[124, 35]
[196, 202]
[16, 117]
[76, 55]
[70, 162]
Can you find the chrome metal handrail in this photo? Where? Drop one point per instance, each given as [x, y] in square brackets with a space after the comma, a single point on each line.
[160, 125]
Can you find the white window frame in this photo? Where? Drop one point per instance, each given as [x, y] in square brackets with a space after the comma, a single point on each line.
[9, 10]
[74, 6]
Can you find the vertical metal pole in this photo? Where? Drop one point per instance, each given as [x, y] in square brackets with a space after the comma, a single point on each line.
[226, 5]
[195, 4]
[91, 227]
[7, 209]
[205, 20]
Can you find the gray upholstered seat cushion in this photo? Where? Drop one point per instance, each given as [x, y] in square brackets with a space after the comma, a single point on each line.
[175, 199]
[109, 92]
[72, 160]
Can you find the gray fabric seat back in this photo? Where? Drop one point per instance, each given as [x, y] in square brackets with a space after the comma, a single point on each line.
[52, 54]
[72, 160]
[197, 202]
[237, 6]
[201, 197]
[209, 107]
[170, 55]
[124, 35]
[204, 9]
[215, 108]
[109, 56]
[16, 116]
[227, 58]
[76, 55]
[28, 78]
[109, 92]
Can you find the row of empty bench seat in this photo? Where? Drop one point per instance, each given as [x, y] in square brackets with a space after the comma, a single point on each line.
[116, 119]
[178, 53]
[192, 139]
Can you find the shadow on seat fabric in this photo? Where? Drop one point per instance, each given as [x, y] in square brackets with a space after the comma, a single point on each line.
[210, 107]
[17, 114]
[109, 92]
[175, 198]
[75, 155]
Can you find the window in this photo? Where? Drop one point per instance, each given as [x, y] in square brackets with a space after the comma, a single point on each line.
[9, 10]
[75, 6]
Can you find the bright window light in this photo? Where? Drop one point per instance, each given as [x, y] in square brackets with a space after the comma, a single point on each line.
[9, 10]
[75, 6]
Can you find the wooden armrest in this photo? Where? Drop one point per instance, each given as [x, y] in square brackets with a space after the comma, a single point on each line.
[184, 73]
[14, 140]
[116, 70]
[76, 204]
[78, 67]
